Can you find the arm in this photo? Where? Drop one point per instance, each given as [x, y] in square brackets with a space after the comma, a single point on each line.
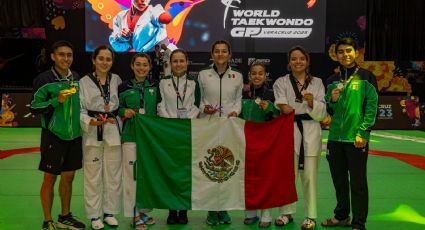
[238, 99]
[117, 41]
[162, 111]
[332, 93]
[41, 101]
[371, 106]
[84, 117]
[318, 110]
[281, 99]
[201, 94]
[123, 110]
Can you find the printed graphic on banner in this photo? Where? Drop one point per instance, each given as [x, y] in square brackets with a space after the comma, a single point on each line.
[255, 26]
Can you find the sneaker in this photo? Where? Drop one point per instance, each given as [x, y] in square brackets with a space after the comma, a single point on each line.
[183, 217]
[49, 225]
[308, 224]
[212, 218]
[110, 220]
[70, 222]
[97, 224]
[172, 217]
[224, 217]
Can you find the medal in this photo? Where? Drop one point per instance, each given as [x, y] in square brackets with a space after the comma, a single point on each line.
[257, 100]
[340, 86]
[106, 108]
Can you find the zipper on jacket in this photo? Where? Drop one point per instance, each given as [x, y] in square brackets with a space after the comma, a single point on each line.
[70, 115]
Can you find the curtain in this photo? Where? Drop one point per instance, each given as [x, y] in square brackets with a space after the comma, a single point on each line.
[21, 13]
[395, 30]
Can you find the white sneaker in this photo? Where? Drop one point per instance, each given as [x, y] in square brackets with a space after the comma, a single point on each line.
[97, 224]
[110, 220]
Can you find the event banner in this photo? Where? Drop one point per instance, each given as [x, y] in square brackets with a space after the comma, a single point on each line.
[250, 25]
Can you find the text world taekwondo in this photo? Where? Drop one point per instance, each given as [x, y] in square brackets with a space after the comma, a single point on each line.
[268, 24]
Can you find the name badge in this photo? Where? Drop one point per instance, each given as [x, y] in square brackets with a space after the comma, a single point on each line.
[182, 113]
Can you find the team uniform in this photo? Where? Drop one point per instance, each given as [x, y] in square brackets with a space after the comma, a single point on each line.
[222, 92]
[251, 111]
[179, 97]
[142, 98]
[146, 32]
[352, 115]
[60, 134]
[307, 135]
[101, 146]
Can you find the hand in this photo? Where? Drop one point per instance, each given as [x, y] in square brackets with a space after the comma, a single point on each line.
[263, 104]
[95, 122]
[335, 95]
[285, 109]
[125, 32]
[209, 109]
[360, 142]
[110, 120]
[63, 95]
[308, 97]
[129, 113]
[232, 114]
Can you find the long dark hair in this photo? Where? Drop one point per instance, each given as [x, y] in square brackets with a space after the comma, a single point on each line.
[307, 57]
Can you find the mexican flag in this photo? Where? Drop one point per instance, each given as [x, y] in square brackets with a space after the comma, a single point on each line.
[214, 164]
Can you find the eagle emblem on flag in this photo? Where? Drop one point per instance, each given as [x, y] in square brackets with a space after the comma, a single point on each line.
[220, 164]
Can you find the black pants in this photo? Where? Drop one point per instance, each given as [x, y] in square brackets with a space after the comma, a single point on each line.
[348, 168]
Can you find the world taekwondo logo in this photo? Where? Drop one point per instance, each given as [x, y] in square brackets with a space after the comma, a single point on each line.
[228, 4]
[265, 23]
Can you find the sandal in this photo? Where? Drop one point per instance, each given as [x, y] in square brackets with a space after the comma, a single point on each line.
[147, 219]
[308, 224]
[283, 220]
[333, 222]
[139, 225]
[250, 220]
[264, 224]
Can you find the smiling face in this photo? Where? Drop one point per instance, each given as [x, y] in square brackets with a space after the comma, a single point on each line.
[346, 55]
[298, 62]
[63, 58]
[221, 54]
[103, 61]
[178, 64]
[257, 76]
[140, 4]
[141, 68]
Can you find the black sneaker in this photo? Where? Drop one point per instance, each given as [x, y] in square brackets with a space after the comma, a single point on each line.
[70, 222]
[172, 217]
[49, 225]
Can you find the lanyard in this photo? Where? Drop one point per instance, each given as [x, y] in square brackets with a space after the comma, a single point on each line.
[104, 89]
[295, 83]
[176, 89]
[141, 87]
[69, 78]
[343, 83]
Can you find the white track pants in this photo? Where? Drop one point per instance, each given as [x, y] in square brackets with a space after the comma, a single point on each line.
[102, 180]
[128, 160]
[309, 186]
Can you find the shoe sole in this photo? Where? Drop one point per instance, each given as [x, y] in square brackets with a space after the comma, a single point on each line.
[112, 226]
[60, 225]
